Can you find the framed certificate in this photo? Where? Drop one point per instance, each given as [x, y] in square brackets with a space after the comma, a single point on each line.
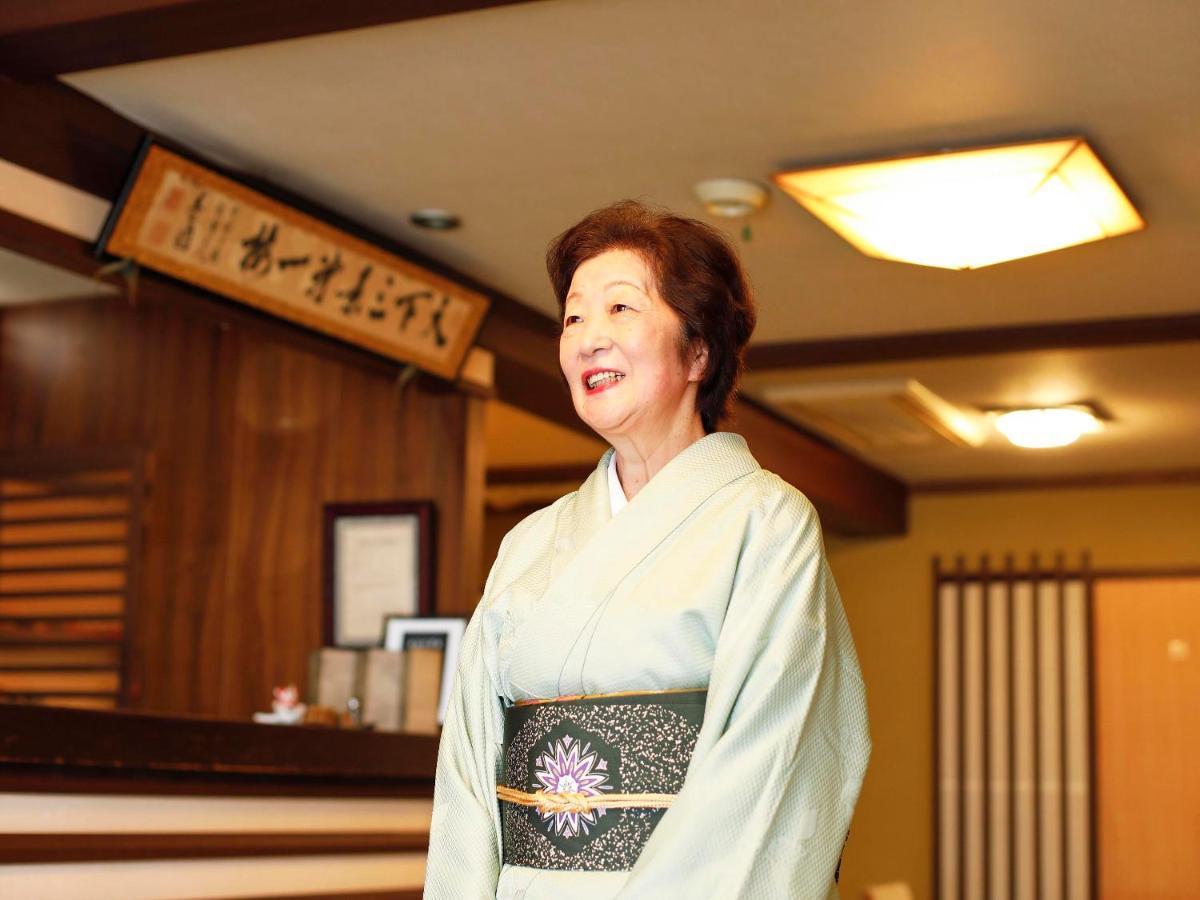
[379, 562]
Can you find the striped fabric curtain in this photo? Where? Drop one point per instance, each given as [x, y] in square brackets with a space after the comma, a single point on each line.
[1013, 748]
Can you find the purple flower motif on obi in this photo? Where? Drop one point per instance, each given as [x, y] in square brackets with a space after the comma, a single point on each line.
[569, 768]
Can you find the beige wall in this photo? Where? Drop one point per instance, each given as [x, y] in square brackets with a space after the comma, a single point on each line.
[887, 592]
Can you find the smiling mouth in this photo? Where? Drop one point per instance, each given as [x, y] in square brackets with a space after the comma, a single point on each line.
[598, 381]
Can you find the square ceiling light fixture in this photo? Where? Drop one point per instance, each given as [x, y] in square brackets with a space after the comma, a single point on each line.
[968, 208]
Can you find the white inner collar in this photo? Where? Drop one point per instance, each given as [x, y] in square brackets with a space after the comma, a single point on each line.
[616, 494]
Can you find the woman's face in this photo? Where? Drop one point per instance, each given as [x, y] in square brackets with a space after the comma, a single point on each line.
[619, 350]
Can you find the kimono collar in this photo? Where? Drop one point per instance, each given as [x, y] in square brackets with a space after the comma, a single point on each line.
[616, 494]
[687, 480]
[707, 464]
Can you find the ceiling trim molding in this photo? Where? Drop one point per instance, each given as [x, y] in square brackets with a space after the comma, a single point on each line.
[72, 37]
[1054, 482]
[975, 341]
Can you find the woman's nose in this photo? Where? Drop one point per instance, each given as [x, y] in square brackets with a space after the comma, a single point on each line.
[596, 334]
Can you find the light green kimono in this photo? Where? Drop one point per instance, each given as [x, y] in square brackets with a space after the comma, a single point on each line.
[713, 576]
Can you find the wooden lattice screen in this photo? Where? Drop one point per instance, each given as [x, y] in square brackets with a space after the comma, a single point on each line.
[1013, 754]
[70, 525]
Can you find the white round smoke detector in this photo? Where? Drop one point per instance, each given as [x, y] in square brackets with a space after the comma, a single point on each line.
[731, 197]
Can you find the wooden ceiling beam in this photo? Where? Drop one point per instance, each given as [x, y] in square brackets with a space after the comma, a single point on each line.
[851, 496]
[50, 39]
[64, 134]
[1057, 482]
[976, 341]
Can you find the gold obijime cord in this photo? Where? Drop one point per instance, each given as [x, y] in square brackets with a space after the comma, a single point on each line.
[534, 701]
[569, 802]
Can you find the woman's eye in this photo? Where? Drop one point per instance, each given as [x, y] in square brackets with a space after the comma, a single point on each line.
[617, 307]
[570, 320]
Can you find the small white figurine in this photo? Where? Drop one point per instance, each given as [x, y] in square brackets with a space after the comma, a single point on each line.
[286, 708]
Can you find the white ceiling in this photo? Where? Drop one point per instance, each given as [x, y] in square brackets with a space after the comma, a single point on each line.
[524, 117]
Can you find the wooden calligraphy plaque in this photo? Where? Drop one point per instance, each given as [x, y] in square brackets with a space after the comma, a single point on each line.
[187, 221]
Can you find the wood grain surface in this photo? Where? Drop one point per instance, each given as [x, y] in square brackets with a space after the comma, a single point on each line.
[248, 434]
[128, 846]
[1147, 691]
[47, 744]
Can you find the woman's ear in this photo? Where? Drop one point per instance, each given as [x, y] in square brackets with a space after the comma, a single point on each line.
[699, 358]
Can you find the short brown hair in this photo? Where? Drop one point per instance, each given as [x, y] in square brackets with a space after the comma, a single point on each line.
[697, 273]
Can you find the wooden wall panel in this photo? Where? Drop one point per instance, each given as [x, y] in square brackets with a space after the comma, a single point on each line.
[1147, 679]
[248, 434]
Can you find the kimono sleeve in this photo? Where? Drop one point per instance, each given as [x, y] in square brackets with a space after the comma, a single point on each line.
[464, 834]
[766, 805]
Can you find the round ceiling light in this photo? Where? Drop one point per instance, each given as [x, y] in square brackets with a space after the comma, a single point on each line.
[731, 197]
[1048, 427]
[435, 219]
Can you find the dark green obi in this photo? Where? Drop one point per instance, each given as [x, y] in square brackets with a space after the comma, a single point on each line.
[587, 779]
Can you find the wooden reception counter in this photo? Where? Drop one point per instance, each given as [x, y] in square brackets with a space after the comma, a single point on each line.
[129, 789]
[49, 749]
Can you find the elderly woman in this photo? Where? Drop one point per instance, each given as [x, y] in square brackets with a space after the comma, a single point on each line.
[658, 695]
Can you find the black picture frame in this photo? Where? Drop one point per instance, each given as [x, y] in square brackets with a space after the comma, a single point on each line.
[346, 618]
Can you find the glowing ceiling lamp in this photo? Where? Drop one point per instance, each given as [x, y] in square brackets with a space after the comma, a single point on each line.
[1049, 427]
[970, 208]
